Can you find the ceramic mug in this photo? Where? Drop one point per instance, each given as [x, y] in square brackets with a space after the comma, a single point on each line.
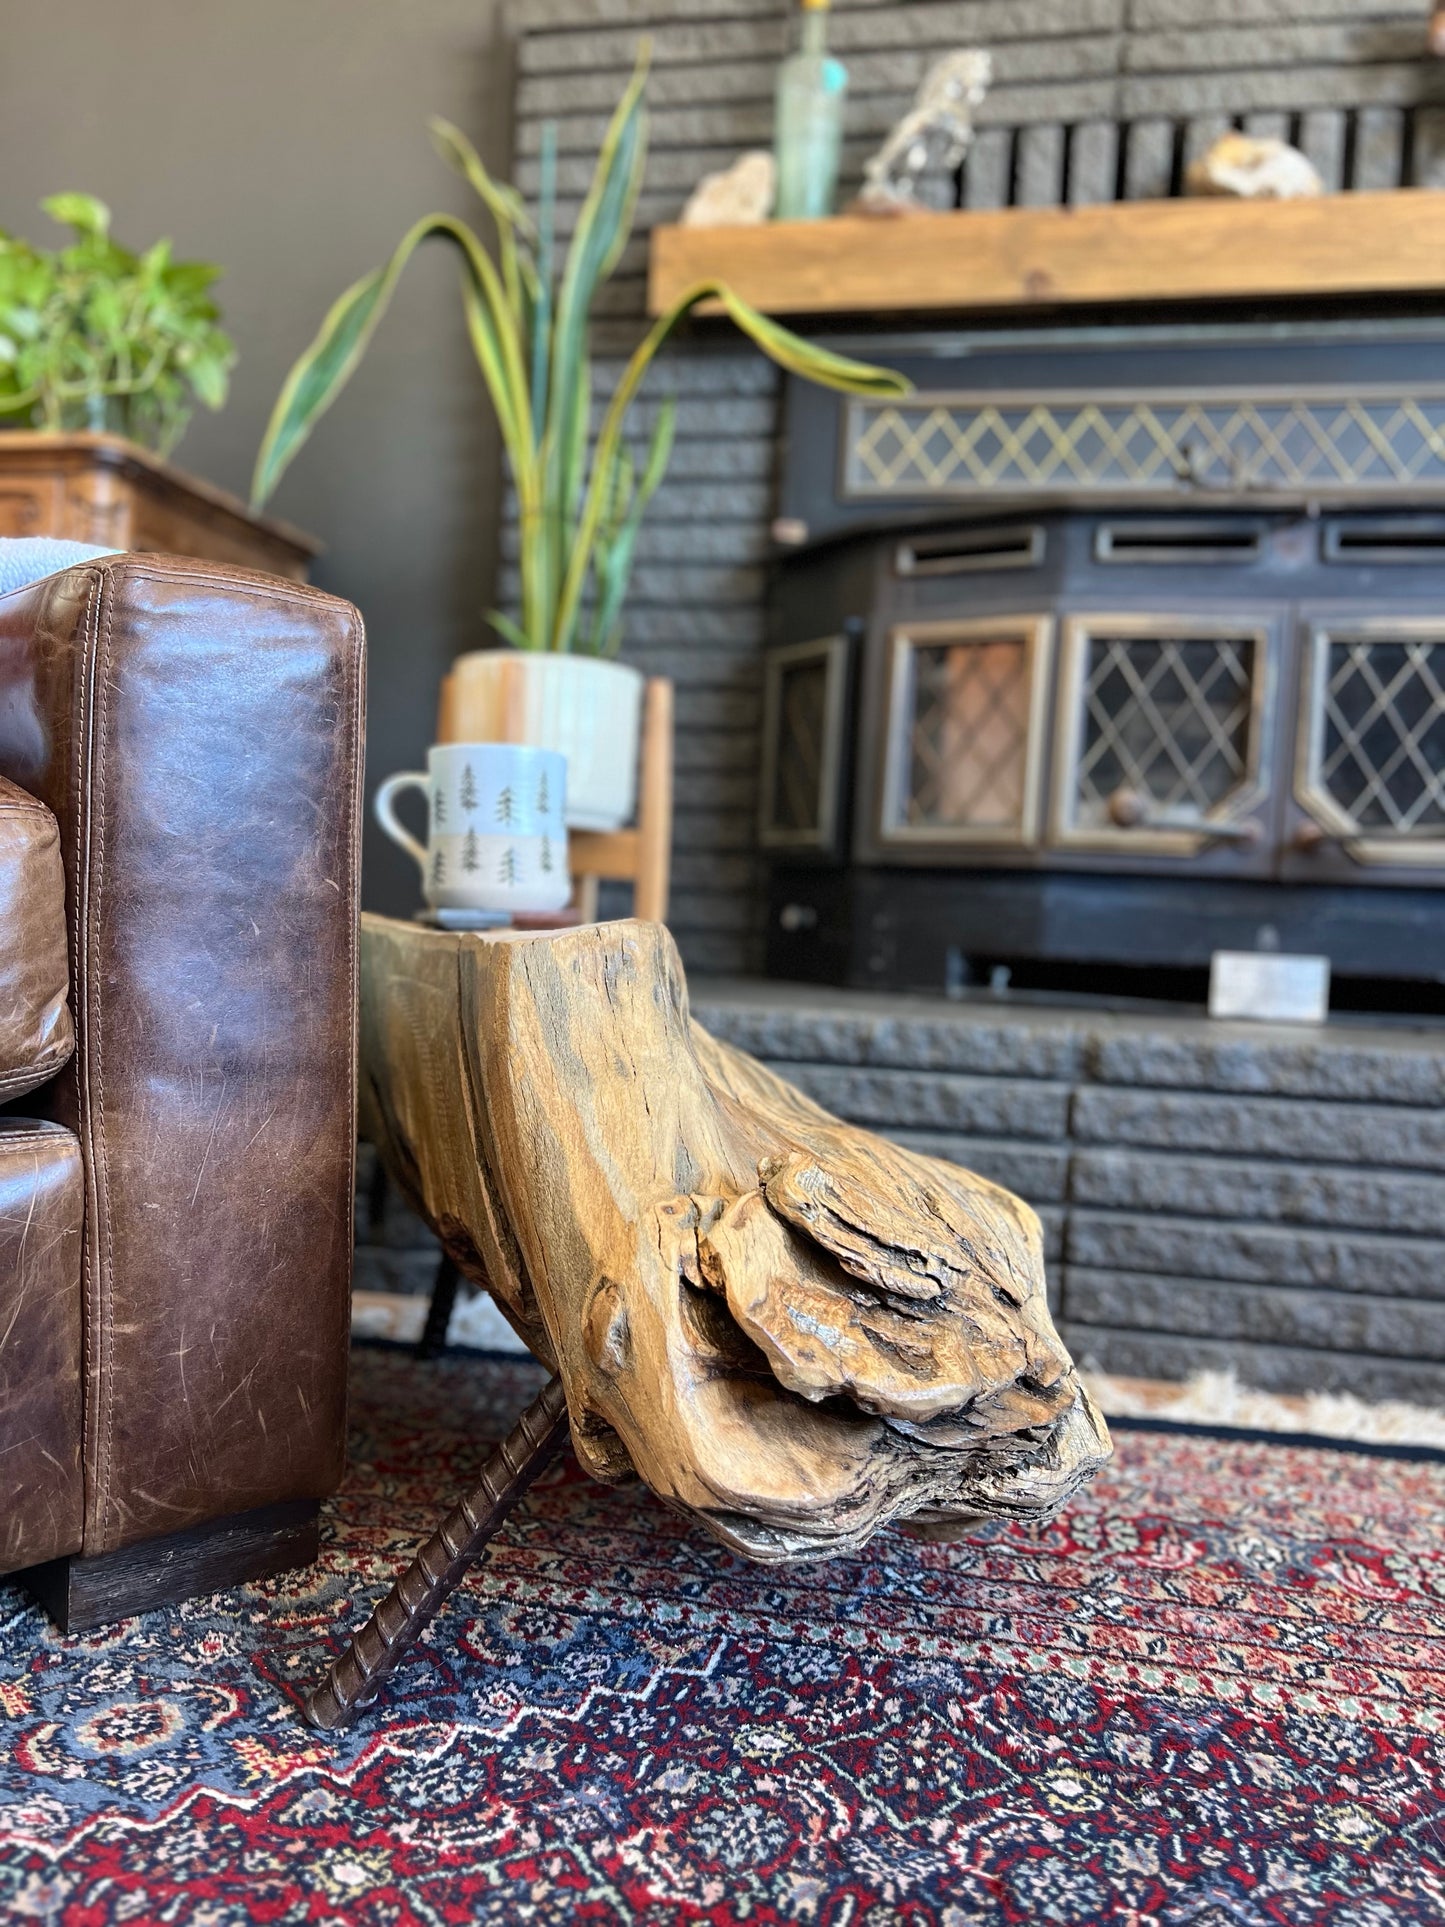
[496, 835]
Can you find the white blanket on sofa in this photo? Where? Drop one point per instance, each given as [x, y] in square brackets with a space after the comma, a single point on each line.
[25, 559]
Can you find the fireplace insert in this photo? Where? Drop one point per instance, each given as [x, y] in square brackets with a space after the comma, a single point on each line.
[1106, 650]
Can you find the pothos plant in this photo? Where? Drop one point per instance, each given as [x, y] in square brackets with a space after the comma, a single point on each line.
[95, 337]
[580, 504]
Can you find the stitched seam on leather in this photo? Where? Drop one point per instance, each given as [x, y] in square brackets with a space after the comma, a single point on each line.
[355, 689]
[36, 1073]
[280, 590]
[102, 660]
[91, 1362]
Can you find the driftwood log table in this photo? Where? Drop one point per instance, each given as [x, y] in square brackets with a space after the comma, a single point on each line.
[792, 1331]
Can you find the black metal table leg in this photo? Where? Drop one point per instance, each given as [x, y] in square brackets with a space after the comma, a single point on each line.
[433, 1340]
[352, 1681]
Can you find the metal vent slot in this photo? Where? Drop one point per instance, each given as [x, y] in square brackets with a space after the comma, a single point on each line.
[955, 554]
[1177, 541]
[1388, 542]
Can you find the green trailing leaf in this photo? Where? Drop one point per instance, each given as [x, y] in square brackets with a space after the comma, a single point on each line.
[791, 351]
[321, 373]
[96, 337]
[83, 212]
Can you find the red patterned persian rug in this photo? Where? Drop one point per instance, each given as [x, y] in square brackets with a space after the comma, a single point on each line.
[1211, 1695]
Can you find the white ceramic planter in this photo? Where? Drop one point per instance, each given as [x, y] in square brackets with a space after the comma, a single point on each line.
[585, 707]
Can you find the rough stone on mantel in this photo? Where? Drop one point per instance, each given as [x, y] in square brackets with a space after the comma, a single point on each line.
[1248, 168]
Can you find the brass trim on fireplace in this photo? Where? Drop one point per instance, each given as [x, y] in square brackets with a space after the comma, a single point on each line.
[1380, 441]
[832, 653]
[1033, 636]
[1401, 850]
[1227, 820]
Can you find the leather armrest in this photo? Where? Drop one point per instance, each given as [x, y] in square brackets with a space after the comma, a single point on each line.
[36, 1037]
[196, 731]
[41, 1197]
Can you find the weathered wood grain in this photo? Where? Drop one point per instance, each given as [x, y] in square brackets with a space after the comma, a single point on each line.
[792, 1331]
[1026, 257]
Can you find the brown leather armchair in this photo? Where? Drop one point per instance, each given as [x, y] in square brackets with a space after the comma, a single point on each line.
[180, 764]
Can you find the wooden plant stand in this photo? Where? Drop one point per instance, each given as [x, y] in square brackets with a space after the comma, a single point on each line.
[793, 1332]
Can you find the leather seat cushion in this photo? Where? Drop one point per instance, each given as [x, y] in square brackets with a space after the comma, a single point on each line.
[42, 1197]
[36, 1037]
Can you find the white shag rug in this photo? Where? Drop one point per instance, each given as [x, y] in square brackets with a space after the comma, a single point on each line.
[1218, 1398]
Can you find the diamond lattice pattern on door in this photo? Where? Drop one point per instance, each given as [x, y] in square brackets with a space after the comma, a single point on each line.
[1167, 717]
[969, 734]
[1383, 754]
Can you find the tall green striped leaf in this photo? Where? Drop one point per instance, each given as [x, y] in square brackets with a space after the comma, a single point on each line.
[579, 524]
[325, 367]
[790, 351]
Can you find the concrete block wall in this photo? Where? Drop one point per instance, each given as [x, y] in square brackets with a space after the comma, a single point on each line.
[1092, 99]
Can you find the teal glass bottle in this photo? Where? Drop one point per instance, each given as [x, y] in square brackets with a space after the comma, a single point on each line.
[812, 85]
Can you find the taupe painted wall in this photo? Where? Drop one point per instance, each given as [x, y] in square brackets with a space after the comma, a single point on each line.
[287, 140]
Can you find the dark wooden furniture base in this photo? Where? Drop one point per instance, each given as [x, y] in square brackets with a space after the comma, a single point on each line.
[82, 1593]
[352, 1682]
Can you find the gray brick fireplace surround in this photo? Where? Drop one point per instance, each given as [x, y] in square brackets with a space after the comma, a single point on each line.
[1212, 1194]
[1092, 98]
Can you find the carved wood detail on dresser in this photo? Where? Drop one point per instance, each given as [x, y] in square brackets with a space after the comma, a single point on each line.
[103, 489]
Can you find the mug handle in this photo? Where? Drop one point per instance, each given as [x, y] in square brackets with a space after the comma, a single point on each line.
[385, 812]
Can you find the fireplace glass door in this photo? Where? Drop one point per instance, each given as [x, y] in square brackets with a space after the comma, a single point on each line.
[963, 734]
[1369, 782]
[804, 705]
[1162, 728]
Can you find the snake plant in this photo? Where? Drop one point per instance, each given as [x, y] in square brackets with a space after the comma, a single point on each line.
[527, 315]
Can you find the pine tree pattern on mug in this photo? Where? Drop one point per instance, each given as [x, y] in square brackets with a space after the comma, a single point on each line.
[545, 860]
[508, 871]
[438, 869]
[467, 789]
[438, 807]
[544, 795]
[506, 807]
[471, 854]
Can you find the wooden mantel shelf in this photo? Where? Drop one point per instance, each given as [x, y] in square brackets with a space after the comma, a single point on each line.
[1173, 250]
